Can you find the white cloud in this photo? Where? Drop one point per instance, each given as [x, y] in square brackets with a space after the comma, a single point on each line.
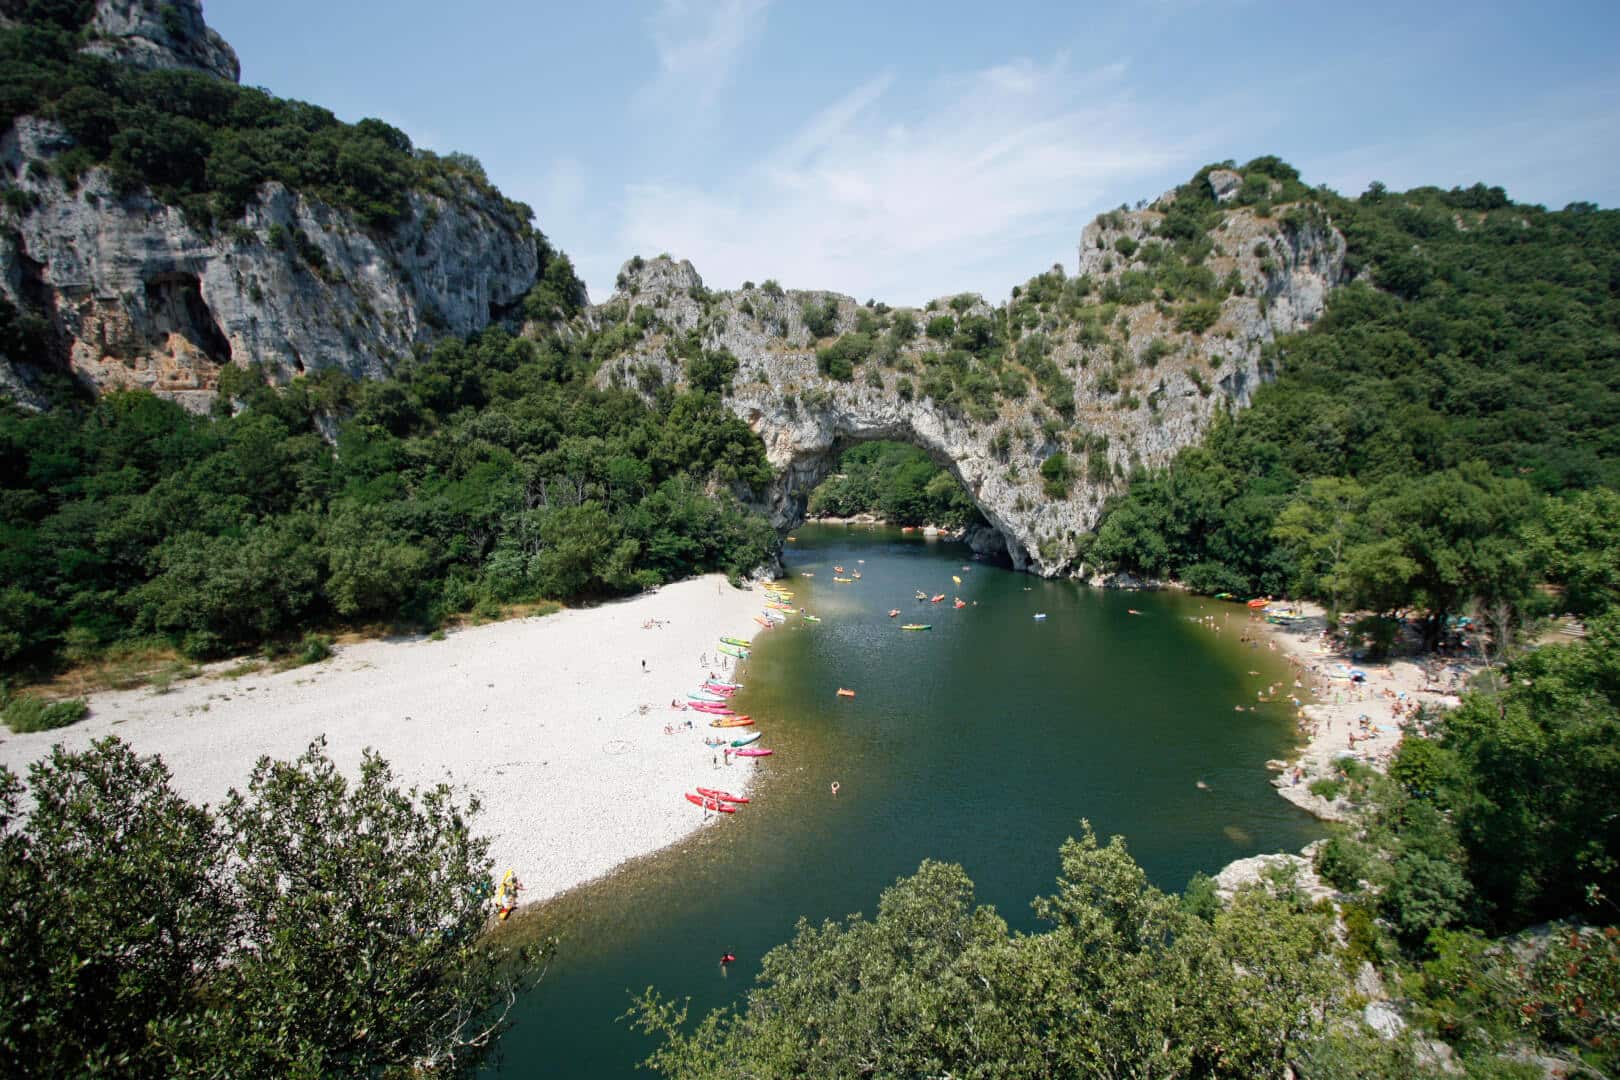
[699, 43]
[983, 190]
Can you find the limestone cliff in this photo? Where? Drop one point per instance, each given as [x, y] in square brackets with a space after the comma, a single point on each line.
[1145, 378]
[134, 294]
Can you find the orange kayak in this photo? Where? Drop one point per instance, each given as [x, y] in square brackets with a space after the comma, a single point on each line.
[732, 721]
[845, 693]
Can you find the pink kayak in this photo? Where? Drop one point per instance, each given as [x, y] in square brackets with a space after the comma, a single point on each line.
[749, 751]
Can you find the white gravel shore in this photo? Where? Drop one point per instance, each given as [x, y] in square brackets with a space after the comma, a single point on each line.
[542, 718]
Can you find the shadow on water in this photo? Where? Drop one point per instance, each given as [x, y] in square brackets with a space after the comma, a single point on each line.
[982, 741]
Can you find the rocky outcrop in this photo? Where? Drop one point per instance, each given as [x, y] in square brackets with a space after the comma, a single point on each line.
[136, 296]
[157, 34]
[1144, 387]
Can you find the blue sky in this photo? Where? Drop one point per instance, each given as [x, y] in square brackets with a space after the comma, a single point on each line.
[907, 150]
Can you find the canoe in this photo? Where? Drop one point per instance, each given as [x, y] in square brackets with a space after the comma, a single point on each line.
[1257, 604]
[709, 804]
[774, 616]
[723, 683]
[747, 737]
[1040, 614]
[918, 626]
[793, 539]
[723, 796]
[777, 605]
[741, 643]
[732, 721]
[956, 579]
[960, 604]
[749, 751]
[842, 692]
[741, 654]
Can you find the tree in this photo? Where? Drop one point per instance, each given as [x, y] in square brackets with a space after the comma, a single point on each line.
[1125, 982]
[1316, 526]
[114, 906]
[317, 928]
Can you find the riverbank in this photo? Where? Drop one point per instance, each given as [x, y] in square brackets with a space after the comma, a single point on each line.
[556, 723]
[1338, 717]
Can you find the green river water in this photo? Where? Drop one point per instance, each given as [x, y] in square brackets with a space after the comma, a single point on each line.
[983, 741]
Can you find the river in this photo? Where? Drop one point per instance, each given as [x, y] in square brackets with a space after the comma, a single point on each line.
[983, 741]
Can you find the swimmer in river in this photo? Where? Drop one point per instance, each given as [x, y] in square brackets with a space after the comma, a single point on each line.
[835, 789]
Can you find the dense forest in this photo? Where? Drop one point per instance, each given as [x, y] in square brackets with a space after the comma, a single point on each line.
[489, 472]
[896, 482]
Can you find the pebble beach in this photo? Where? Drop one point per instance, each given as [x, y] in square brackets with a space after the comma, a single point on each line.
[557, 724]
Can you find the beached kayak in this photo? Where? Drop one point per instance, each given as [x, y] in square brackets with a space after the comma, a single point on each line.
[709, 803]
[741, 643]
[723, 683]
[723, 796]
[764, 622]
[733, 721]
[705, 695]
[749, 751]
[745, 739]
[740, 654]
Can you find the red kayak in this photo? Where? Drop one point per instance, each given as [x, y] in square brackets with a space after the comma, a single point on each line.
[749, 751]
[710, 803]
[723, 796]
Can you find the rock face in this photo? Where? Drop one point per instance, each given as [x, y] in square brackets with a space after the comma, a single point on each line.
[137, 297]
[133, 295]
[156, 34]
[1163, 402]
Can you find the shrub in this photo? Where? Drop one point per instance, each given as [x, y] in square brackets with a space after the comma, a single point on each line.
[821, 319]
[1197, 318]
[24, 713]
[1327, 787]
[314, 648]
[1056, 476]
[1125, 246]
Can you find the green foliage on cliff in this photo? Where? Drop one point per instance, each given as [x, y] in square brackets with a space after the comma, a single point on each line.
[1472, 371]
[489, 472]
[207, 145]
[896, 482]
[308, 927]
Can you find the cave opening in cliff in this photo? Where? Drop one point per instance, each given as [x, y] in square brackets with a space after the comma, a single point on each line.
[175, 305]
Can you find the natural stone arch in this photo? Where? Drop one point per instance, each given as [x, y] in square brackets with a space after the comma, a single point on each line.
[804, 418]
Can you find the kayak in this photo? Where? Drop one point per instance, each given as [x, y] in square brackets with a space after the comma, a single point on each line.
[741, 654]
[710, 804]
[723, 796]
[921, 595]
[766, 623]
[845, 580]
[704, 695]
[741, 643]
[842, 692]
[960, 604]
[749, 751]
[1257, 604]
[1040, 615]
[956, 579]
[936, 599]
[918, 626]
[746, 738]
[721, 686]
[812, 618]
[777, 605]
[723, 691]
[893, 612]
[732, 721]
